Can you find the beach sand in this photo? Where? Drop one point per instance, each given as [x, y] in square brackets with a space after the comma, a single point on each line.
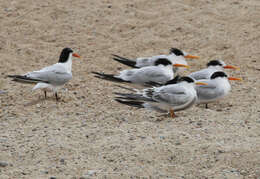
[89, 135]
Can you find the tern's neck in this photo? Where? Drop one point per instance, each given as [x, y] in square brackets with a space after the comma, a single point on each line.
[219, 68]
[68, 64]
[177, 59]
[168, 67]
[223, 83]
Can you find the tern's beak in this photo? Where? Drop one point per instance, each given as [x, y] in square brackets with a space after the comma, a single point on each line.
[191, 57]
[75, 55]
[200, 83]
[231, 78]
[231, 67]
[180, 65]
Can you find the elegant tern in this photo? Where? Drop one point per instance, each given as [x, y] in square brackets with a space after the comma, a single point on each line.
[217, 88]
[174, 97]
[162, 72]
[175, 56]
[50, 78]
[212, 66]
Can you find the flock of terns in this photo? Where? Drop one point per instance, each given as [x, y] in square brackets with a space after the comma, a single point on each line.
[156, 84]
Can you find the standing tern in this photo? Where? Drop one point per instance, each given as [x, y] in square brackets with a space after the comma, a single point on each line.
[212, 66]
[162, 72]
[50, 78]
[174, 97]
[175, 56]
[217, 88]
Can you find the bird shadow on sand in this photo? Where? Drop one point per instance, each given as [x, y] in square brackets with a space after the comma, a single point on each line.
[165, 116]
[41, 100]
[218, 107]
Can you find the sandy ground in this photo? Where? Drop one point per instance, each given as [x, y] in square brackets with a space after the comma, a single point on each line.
[88, 134]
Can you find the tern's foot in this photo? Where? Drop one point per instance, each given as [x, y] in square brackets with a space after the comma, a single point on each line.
[172, 114]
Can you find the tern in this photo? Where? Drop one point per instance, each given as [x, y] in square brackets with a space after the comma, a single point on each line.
[212, 66]
[50, 78]
[175, 56]
[162, 72]
[217, 88]
[172, 98]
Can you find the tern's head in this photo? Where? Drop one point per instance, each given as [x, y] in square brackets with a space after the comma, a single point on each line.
[166, 62]
[190, 80]
[163, 61]
[216, 63]
[219, 64]
[179, 53]
[218, 74]
[186, 79]
[176, 52]
[66, 54]
[222, 75]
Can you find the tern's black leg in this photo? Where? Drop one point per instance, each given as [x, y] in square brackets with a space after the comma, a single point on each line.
[56, 95]
[206, 106]
[45, 94]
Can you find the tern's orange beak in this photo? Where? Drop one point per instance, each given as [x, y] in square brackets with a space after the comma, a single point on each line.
[75, 55]
[180, 65]
[200, 83]
[231, 78]
[191, 57]
[231, 67]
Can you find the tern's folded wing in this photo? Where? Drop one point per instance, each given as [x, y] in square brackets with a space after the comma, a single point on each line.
[174, 96]
[56, 76]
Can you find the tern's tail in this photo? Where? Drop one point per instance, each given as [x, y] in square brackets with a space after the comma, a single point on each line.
[137, 104]
[125, 61]
[133, 97]
[108, 77]
[25, 79]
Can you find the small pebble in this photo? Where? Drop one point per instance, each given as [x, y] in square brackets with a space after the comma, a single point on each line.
[91, 172]
[83, 177]
[3, 164]
[2, 92]
[62, 161]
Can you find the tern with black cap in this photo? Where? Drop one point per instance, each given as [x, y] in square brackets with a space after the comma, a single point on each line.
[172, 98]
[175, 56]
[50, 78]
[217, 88]
[162, 71]
[212, 66]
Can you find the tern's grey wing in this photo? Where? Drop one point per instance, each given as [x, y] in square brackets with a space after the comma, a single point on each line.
[143, 62]
[202, 74]
[151, 74]
[207, 92]
[173, 95]
[55, 76]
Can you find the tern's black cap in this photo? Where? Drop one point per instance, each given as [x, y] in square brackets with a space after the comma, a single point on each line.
[176, 51]
[214, 63]
[218, 74]
[162, 61]
[64, 56]
[187, 79]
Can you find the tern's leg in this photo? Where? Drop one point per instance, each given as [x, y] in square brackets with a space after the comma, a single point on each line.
[56, 95]
[45, 94]
[172, 113]
[206, 106]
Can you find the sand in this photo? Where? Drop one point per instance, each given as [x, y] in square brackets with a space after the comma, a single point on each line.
[88, 134]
